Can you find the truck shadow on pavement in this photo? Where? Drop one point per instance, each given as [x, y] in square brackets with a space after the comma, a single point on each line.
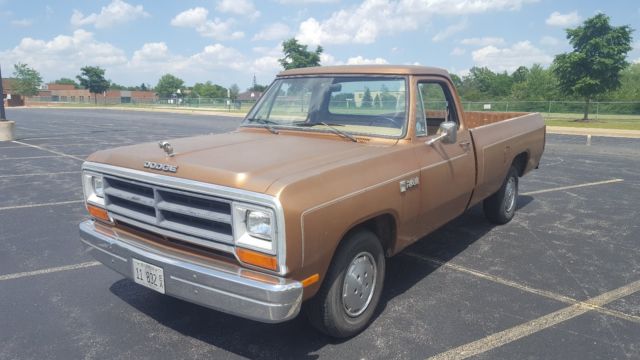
[296, 339]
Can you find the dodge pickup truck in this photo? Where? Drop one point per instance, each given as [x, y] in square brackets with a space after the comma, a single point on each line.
[333, 170]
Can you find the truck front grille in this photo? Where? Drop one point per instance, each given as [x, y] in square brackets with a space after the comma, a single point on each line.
[196, 218]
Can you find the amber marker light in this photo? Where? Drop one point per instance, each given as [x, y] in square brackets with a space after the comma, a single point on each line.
[257, 259]
[98, 213]
[310, 280]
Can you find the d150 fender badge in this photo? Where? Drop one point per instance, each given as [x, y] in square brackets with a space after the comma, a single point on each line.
[162, 167]
[409, 183]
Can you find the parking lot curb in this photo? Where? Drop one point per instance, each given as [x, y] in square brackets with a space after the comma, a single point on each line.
[562, 130]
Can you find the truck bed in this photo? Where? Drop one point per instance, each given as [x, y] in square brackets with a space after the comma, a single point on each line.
[498, 138]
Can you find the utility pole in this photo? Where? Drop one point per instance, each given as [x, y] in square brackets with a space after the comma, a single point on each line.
[3, 116]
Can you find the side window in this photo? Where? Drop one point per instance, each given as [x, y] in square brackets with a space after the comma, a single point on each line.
[421, 120]
[437, 104]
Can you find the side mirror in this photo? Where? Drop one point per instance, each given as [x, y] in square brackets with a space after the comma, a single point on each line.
[448, 133]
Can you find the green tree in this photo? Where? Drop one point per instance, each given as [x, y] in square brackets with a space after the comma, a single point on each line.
[387, 100]
[484, 84]
[67, 81]
[598, 56]
[92, 78]
[540, 84]
[169, 85]
[234, 90]
[114, 86]
[457, 81]
[27, 80]
[520, 75]
[258, 88]
[366, 98]
[208, 90]
[376, 102]
[297, 55]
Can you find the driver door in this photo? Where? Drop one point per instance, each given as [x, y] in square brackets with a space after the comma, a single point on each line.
[447, 174]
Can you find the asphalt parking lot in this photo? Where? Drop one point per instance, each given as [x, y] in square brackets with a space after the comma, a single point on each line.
[560, 281]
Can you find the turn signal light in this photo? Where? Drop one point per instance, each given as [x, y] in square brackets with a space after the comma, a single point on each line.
[310, 280]
[257, 259]
[98, 213]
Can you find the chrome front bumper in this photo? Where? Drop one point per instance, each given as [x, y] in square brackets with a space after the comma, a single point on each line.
[214, 284]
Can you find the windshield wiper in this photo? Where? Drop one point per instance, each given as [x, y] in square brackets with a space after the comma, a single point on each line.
[339, 132]
[267, 124]
[312, 124]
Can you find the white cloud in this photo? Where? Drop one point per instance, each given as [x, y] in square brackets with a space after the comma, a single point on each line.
[239, 7]
[303, 2]
[359, 60]
[549, 41]
[191, 18]
[156, 58]
[510, 58]
[330, 60]
[198, 19]
[64, 54]
[275, 31]
[563, 20]
[365, 22]
[327, 60]
[115, 13]
[457, 51]
[22, 22]
[483, 41]
[450, 30]
[150, 53]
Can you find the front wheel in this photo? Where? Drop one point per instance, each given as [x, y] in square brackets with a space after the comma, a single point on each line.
[350, 293]
[500, 207]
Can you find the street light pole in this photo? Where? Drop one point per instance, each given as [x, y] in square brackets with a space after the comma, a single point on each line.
[3, 116]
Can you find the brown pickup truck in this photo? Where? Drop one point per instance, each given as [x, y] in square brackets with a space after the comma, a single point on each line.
[333, 170]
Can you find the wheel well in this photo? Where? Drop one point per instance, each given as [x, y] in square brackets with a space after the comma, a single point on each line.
[384, 226]
[520, 162]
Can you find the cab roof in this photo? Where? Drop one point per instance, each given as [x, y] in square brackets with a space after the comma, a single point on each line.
[368, 70]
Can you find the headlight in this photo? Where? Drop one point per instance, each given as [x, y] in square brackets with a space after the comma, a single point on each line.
[93, 188]
[259, 224]
[254, 227]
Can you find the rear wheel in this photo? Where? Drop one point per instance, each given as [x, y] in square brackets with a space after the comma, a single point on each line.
[500, 207]
[350, 293]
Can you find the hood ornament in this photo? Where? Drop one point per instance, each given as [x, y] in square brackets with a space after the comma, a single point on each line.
[164, 145]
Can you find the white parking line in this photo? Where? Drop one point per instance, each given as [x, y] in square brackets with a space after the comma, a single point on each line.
[51, 151]
[31, 157]
[49, 270]
[536, 325]
[40, 205]
[41, 174]
[573, 186]
[522, 287]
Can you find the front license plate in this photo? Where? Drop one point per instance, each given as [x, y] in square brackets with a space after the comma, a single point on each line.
[148, 275]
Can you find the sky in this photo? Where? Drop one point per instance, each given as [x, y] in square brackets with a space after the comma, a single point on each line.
[229, 41]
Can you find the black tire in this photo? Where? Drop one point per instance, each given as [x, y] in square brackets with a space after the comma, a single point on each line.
[328, 310]
[500, 207]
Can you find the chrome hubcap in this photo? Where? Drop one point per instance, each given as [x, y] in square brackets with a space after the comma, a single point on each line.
[359, 284]
[510, 194]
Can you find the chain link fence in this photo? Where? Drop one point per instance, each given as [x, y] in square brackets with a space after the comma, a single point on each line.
[553, 109]
[550, 109]
[218, 104]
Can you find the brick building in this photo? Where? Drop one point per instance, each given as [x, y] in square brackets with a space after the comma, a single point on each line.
[67, 93]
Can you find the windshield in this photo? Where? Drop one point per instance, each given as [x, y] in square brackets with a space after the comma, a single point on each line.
[364, 105]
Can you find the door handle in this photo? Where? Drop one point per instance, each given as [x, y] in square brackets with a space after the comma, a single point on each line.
[465, 144]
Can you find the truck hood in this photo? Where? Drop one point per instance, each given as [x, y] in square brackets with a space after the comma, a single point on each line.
[250, 160]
